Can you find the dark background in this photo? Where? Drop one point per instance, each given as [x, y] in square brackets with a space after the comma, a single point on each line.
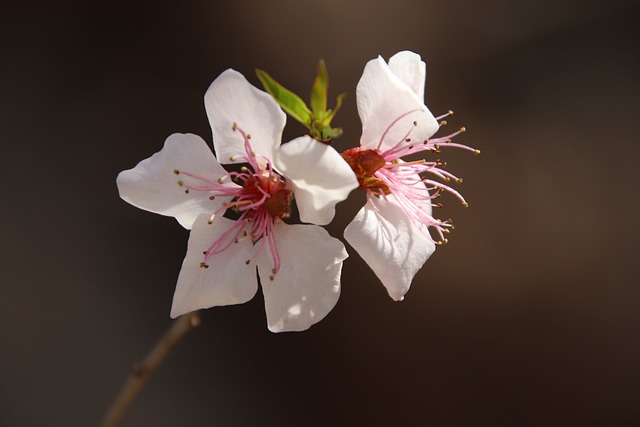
[528, 317]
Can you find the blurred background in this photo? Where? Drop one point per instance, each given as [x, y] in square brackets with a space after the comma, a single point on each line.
[528, 317]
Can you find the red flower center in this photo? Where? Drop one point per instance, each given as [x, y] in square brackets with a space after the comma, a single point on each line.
[365, 163]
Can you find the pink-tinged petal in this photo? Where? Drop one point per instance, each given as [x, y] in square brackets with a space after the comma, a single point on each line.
[232, 99]
[307, 286]
[411, 69]
[318, 175]
[389, 109]
[227, 280]
[153, 184]
[392, 245]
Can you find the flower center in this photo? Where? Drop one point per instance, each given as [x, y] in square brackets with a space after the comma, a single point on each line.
[260, 196]
[365, 163]
[278, 202]
[384, 173]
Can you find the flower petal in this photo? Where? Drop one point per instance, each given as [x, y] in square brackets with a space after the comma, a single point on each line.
[232, 99]
[411, 69]
[393, 246]
[319, 177]
[153, 185]
[227, 280]
[389, 109]
[307, 286]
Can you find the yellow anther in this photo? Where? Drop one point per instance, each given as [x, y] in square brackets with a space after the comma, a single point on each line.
[219, 180]
[415, 123]
[234, 126]
[271, 277]
[465, 204]
[232, 158]
[463, 129]
[443, 123]
[203, 265]
[477, 152]
[447, 179]
[180, 183]
[459, 180]
[244, 169]
[176, 171]
[248, 136]
[450, 112]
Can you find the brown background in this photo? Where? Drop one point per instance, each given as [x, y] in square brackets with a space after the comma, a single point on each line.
[529, 317]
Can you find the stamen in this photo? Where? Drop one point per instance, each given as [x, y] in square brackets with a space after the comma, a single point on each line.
[404, 181]
[386, 131]
[449, 113]
[256, 184]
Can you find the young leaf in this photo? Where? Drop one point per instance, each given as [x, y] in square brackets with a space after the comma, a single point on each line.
[319, 91]
[291, 103]
[330, 133]
[331, 113]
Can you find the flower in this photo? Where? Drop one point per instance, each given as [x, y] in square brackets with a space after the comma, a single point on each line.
[391, 232]
[299, 265]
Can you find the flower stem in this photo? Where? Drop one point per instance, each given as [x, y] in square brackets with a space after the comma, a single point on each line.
[143, 371]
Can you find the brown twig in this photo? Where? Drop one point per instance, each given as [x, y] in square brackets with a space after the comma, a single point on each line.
[143, 371]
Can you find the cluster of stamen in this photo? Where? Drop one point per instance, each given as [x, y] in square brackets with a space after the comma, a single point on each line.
[382, 173]
[259, 197]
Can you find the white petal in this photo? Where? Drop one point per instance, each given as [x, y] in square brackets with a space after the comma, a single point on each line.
[307, 286]
[390, 243]
[319, 177]
[152, 185]
[383, 99]
[232, 99]
[411, 70]
[228, 279]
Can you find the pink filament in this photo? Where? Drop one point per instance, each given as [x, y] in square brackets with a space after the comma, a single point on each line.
[254, 219]
[405, 182]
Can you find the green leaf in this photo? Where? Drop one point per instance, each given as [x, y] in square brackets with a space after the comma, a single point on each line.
[331, 113]
[291, 103]
[319, 91]
[330, 133]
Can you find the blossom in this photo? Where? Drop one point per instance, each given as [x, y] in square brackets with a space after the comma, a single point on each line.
[391, 232]
[299, 265]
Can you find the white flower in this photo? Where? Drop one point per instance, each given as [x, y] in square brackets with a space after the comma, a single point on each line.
[299, 265]
[391, 231]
